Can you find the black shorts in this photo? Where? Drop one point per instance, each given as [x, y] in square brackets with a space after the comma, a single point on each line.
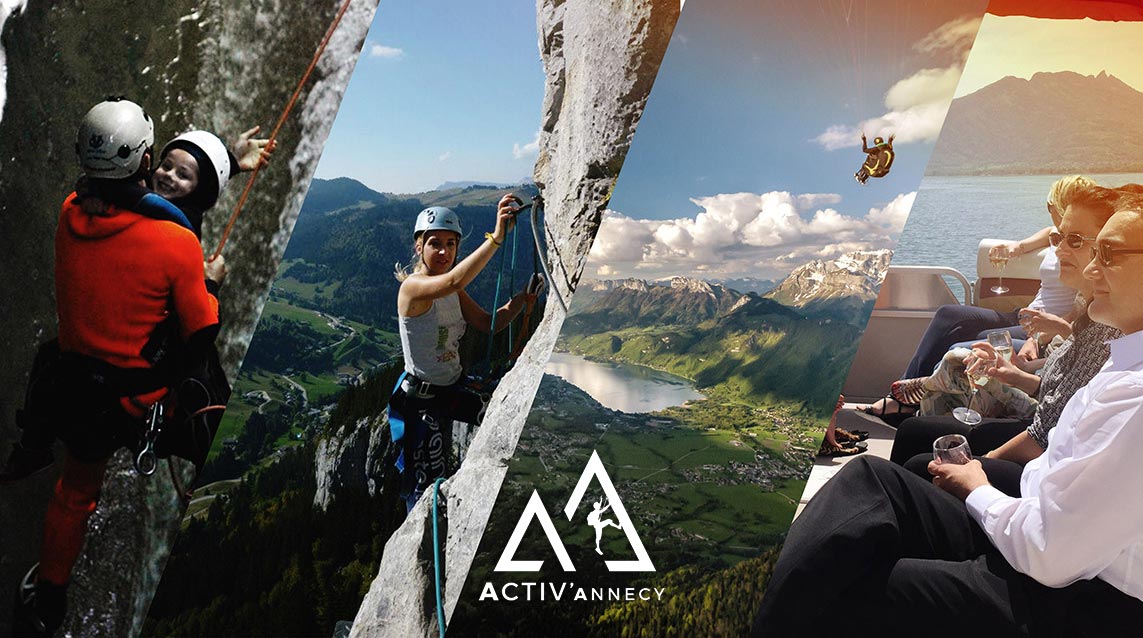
[98, 428]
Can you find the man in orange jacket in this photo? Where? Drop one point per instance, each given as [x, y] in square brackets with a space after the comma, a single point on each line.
[124, 281]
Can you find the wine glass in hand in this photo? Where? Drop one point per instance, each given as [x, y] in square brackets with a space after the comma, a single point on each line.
[999, 258]
[952, 448]
[1001, 341]
[974, 370]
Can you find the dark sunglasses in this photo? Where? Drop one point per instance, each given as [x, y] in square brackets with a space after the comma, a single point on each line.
[1105, 252]
[1074, 240]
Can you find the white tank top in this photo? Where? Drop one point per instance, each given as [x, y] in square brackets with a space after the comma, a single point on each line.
[431, 342]
[1054, 296]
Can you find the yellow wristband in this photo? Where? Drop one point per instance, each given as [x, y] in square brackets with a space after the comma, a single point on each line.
[490, 238]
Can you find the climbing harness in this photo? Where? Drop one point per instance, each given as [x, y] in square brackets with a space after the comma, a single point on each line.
[278, 126]
[437, 556]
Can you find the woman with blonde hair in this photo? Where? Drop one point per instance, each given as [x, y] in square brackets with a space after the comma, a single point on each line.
[434, 311]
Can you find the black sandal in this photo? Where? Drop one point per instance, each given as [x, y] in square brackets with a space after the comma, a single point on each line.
[893, 418]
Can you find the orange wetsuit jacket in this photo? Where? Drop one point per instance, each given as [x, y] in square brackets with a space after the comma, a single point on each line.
[118, 275]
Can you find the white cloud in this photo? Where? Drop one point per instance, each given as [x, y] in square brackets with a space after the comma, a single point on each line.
[444, 156]
[382, 51]
[916, 104]
[955, 35]
[743, 235]
[531, 148]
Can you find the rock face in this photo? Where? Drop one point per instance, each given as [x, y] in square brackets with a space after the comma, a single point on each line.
[354, 456]
[600, 58]
[210, 65]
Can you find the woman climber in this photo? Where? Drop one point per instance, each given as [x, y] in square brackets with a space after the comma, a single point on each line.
[433, 313]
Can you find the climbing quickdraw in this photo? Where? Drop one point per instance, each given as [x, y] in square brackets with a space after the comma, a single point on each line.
[147, 461]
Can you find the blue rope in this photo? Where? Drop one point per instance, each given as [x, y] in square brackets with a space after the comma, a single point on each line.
[512, 281]
[495, 308]
[437, 555]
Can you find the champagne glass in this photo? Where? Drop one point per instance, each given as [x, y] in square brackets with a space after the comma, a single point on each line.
[999, 258]
[952, 448]
[967, 415]
[1001, 341]
[1026, 323]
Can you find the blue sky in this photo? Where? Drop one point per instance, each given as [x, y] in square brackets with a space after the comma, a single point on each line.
[752, 134]
[443, 91]
[743, 162]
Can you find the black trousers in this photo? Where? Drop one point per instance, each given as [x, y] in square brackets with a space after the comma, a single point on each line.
[881, 552]
[953, 324]
[916, 435]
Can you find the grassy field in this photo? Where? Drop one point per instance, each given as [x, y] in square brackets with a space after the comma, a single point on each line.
[303, 291]
[309, 317]
[319, 388]
[238, 409]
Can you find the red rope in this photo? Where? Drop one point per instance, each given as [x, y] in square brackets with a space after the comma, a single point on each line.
[278, 126]
[209, 408]
[184, 495]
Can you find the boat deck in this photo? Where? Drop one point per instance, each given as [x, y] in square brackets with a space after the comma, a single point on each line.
[880, 443]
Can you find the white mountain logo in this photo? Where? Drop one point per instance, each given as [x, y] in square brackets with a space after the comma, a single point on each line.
[535, 509]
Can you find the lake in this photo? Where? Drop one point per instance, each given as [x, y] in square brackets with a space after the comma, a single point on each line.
[623, 387]
[952, 214]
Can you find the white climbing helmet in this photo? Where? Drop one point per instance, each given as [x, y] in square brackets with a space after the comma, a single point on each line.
[209, 146]
[437, 218]
[112, 139]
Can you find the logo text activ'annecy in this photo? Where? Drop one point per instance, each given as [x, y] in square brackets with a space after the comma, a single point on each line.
[596, 519]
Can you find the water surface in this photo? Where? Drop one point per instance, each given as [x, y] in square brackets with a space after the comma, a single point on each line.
[621, 386]
[952, 214]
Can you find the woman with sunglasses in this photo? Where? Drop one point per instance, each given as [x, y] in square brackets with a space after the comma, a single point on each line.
[1066, 370]
[961, 324]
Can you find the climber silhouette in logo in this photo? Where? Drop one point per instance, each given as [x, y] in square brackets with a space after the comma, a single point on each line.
[596, 520]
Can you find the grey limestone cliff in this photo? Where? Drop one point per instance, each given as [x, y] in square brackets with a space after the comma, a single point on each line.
[352, 457]
[600, 59]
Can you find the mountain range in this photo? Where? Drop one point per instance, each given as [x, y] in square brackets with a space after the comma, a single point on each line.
[844, 288]
[1052, 123]
[793, 344]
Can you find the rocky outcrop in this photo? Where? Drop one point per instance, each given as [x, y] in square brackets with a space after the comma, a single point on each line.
[600, 58]
[352, 457]
[607, 285]
[218, 66]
